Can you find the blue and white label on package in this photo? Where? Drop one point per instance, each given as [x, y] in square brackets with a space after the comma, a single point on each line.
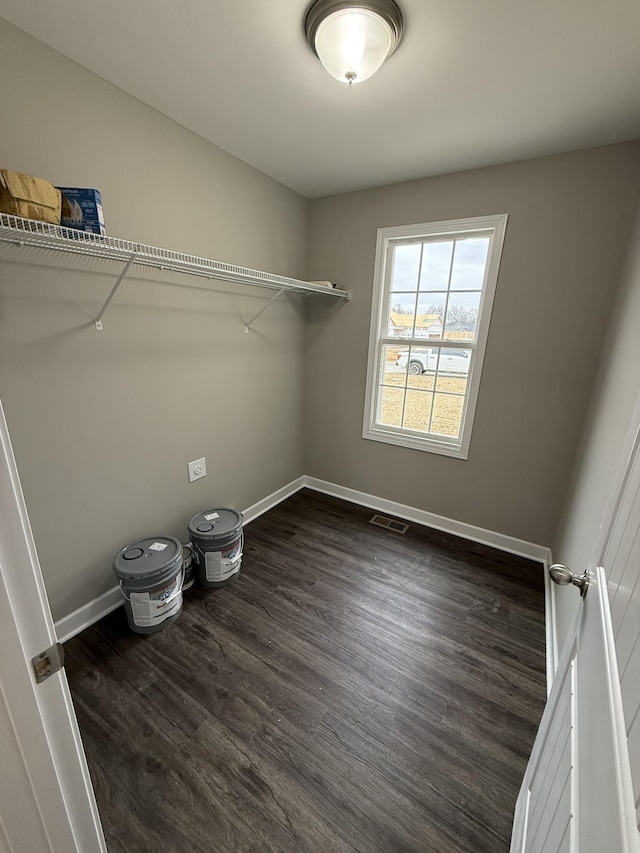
[82, 209]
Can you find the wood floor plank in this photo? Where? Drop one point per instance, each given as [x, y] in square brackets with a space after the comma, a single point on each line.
[355, 690]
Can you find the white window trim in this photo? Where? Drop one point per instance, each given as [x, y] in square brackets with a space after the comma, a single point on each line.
[495, 226]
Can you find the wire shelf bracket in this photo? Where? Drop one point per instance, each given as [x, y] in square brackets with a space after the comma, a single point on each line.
[28, 232]
[247, 326]
[121, 278]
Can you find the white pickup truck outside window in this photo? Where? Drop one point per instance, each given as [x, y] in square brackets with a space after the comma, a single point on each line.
[433, 294]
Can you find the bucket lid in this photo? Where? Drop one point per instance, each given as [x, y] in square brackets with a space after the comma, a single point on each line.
[216, 523]
[147, 558]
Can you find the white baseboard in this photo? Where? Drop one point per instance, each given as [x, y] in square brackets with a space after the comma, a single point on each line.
[85, 616]
[420, 516]
[95, 610]
[272, 500]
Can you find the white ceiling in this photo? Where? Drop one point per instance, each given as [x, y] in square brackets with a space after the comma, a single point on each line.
[473, 83]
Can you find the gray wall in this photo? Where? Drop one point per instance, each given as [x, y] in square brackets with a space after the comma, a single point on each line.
[570, 218]
[103, 424]
[600, 458]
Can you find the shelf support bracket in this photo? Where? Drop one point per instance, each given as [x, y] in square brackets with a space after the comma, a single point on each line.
[121, 278]
[273, 299]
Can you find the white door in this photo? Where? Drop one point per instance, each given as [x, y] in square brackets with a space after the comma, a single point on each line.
[46, 797]
[578, 790]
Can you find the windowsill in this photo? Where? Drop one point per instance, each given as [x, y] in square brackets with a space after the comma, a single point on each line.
[416, 442]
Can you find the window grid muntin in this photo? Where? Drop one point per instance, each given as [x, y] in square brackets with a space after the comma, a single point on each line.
[437, 343]
[405, 388]
[390, 269]
[414, 340]
[492, 227]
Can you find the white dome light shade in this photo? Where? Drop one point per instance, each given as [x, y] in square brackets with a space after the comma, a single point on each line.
[352, 38]
[353, 43]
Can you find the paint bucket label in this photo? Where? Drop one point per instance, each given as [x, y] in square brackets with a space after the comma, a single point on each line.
[152, 608]
[221, 565]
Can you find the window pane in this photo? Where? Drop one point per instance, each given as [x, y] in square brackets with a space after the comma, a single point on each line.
[390, 411]
[452, 362]
[417, 410]
[469, 261]
[391, 371]
[462, 316]
[402, 308]
[422, 382]
[417, 366]
[430, 315]
[436, 265]
[451, 383]
[422, 368]
[406, 267]
[447, 415]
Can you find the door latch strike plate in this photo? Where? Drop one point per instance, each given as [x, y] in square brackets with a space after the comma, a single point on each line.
[48, 662]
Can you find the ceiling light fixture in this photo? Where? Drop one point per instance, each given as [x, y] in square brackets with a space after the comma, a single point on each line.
[353, 39]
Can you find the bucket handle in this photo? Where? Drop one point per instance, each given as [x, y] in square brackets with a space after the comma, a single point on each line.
[166, 600]
[227, 560]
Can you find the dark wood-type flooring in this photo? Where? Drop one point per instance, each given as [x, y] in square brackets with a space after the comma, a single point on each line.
[354, 690]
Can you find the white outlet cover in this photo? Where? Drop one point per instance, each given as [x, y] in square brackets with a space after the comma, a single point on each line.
[197, 469]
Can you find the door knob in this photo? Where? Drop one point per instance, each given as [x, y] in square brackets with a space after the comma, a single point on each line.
[563, 576]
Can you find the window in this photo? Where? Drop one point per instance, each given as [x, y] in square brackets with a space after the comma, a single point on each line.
[433, 294]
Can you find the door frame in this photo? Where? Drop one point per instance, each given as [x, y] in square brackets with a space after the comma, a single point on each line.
[47, 801]
[628, 458]
[619, 750]
[628, 455]
[629, 450]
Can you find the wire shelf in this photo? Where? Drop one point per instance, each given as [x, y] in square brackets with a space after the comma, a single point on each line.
[28, 232]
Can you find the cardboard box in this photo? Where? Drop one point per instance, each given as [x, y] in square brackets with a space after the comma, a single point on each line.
[82, 209]
[29, 197]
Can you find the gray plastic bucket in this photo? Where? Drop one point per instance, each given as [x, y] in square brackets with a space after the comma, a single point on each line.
[217, 539]
[150, 572]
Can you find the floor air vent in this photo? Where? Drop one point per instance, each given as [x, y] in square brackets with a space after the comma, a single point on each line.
[389, 523]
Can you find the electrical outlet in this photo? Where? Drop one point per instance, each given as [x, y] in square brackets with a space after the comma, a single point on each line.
[197, 469]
